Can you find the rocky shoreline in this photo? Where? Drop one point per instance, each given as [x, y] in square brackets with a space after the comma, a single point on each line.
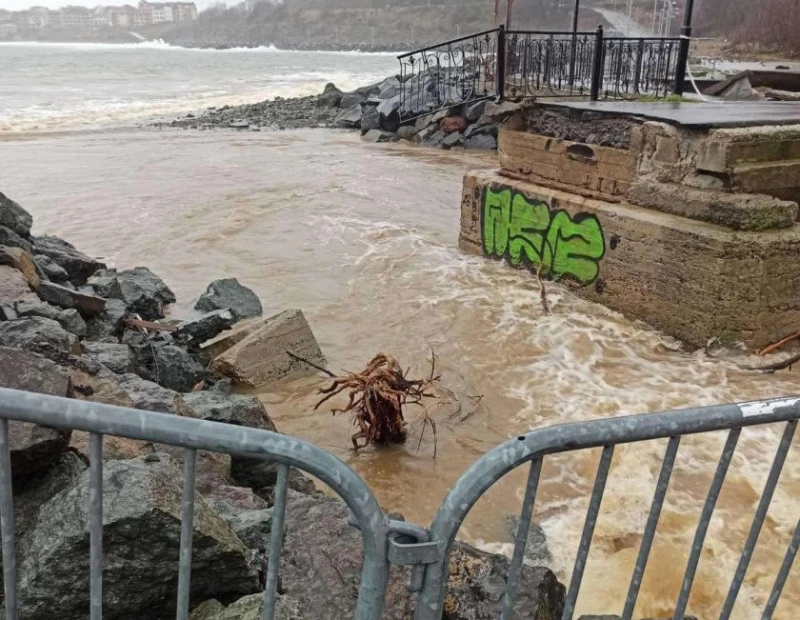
[373, 110]
[72, 327]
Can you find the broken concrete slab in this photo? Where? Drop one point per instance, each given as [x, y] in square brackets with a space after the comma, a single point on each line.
[217, 346]
[87, 305]
[261, 357]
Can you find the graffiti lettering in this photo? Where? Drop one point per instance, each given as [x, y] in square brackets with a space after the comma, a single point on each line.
[528, 231]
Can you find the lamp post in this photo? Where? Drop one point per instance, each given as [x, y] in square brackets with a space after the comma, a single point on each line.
[683, 49]
[574, 45]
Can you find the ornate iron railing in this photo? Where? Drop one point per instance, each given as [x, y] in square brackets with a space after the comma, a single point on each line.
[459, 71]
[516, 64]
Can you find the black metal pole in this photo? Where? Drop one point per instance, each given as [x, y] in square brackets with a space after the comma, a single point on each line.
[501, 62]
[574, 46]
[597, 65]
[683, 49]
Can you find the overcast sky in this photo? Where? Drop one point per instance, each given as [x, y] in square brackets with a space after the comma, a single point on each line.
[19, 5]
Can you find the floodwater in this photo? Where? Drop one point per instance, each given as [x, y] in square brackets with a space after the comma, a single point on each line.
[363, 238]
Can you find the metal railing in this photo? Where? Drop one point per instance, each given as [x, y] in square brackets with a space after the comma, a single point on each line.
[393, 542]
[452, 73]
[519, 64]
[608, 433]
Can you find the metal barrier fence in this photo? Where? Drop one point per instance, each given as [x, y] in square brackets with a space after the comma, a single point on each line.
[393, 542]
[520, 64]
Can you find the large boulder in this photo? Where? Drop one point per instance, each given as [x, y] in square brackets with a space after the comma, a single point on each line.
[152, 397]
[70, 320]
[174, 368]
[370, 118]
[51, 268]
[473, 111]
[39, 334]
[330, 97]
[229, 294]
[11, 239]
[194, 332]
[320, 541]
[237, 409]
[261, 357]
[87, 305]
[14, 217]
[141, 533]
[20, 260]
[108, 324]
[33, 448]
[114, 356]
[247, 514]
[359, 96]
[389, 113]
[142, 291]
[389, 88]
[77, 265]
[14, 287]
[481, 141]
[349, 117]
[378, 135]
[248, 608]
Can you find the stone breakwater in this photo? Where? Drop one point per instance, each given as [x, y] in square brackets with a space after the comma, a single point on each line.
[373, 110]
[72, 327]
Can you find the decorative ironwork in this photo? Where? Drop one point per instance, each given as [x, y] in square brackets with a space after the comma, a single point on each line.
[639, 67]
[549, 64]
[449, 74]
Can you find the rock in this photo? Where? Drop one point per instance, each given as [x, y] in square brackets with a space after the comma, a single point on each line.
[248, 515]
[389, 111]
[452, 124]
[480, 142]
[116, 357]
[95, 383]
[77, 265]
[498, 112]
[406, 132]
[434, 140]
[152, 397]
[229, 294]
[422, 122]
[86, 305]
[105, 284]
[14, 286]
[194, 332]
[248, 608]
[390, 87]
[452, 139]
[319, 541]
[40, 335]
[261, 356]
[350, 117]
[358, 96]
[536, 552]
[473, 111]
[376, 135]
[109, 322]
[237, 409]
[330, 97]
[11, 239]
[141, 533]
[174, 369]
[483, 126]
[20, 260]
[370, 118]
[51, 268]
[68, 319]
[238, 124]
[424, 135]
[143, 292]
[33, 448]
[14, 217]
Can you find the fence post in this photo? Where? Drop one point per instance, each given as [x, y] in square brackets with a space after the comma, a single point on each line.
[597, 65]
[501, 62]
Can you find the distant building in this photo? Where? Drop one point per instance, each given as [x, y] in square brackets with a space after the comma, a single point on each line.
[101, 18]
[75, 17]
[122, 16]
[184, 11]
[39, 17]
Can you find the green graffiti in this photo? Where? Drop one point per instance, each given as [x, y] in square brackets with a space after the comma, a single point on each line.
[528, 232]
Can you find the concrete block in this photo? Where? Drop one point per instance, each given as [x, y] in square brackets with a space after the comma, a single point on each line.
[261, 358]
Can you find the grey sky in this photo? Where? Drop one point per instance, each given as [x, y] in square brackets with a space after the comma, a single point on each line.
[19, 5]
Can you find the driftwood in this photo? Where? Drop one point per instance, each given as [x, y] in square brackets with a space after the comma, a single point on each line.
[777, 345]
[157, 327]
[787, 363]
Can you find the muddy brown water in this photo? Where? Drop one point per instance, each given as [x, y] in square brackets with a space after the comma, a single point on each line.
[363, 238]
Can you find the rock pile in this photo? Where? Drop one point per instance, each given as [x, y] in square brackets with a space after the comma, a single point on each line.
[374, 110]
[72, 327]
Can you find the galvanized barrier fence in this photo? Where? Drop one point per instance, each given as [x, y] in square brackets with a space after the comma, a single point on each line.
[393, 542]
[517, 64]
